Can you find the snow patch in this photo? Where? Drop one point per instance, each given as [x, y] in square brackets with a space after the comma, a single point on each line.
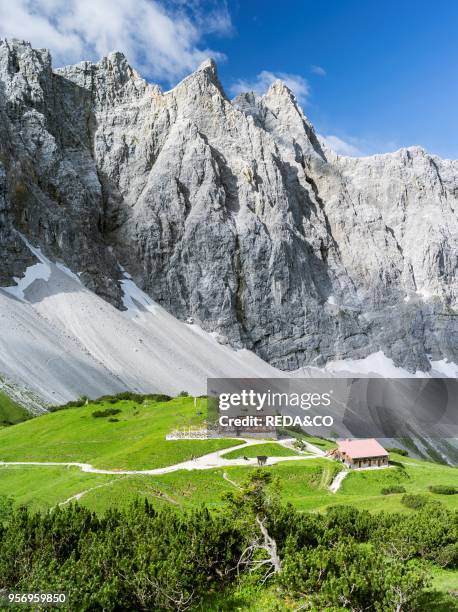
[445, 368]
[68, 272]
[381, 365]
[123, 270]
[38, 271]
[376, 363]
[135, 300]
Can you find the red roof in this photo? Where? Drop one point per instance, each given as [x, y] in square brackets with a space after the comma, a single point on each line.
[357, 449]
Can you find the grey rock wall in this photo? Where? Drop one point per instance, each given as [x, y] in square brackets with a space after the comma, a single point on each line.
[232, 213]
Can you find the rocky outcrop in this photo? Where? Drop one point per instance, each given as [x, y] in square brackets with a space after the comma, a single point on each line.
[229, 212]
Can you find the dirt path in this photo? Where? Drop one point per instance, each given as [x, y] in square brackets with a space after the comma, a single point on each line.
[206, 462]
[78, 496]
[337, 482]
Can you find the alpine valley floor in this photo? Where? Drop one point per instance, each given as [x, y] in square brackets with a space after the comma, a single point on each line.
[134, 441]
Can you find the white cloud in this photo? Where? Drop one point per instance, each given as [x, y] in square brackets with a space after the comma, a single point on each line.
[261, 83]
[318, 70]
[339, 146]
[163, 44]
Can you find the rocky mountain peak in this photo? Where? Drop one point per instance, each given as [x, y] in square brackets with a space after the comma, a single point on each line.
[24, 72]
[279, 89]
[208, 65]
[117, 64]
[202, 82]
[21, 57]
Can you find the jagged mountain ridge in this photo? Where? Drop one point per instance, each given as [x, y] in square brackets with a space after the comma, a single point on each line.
[231, 213]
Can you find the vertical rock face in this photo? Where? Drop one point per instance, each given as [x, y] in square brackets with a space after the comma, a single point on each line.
[232, 213]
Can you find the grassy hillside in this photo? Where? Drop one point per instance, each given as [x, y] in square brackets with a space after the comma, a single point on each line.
[321, 443]
[42, 488]
[10, 412]
[303, 483]
[298, 481]
[134, 438]
[413, 474]
[269, 449]
[129, 434]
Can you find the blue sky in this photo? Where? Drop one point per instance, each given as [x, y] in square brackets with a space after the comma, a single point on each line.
[371, 75]
[391, 66]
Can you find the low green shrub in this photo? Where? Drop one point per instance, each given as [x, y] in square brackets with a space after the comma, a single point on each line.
[81, 401]
[443, 489]
[158, 397]
[393, 489]
[447, 556]
[106, 412]
[398, 451]
[129, 395]
[138, 398]
[6, 508]
[415, 502]
[146, 557]
[398, 464]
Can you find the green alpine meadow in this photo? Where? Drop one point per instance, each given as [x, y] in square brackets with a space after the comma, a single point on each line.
[105, 507]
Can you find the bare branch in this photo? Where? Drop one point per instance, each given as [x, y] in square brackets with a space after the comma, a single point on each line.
[270, 545]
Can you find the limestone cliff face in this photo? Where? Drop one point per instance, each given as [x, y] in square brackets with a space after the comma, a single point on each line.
[231, 213]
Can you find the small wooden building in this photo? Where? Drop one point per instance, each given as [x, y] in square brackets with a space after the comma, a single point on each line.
[361, 453]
